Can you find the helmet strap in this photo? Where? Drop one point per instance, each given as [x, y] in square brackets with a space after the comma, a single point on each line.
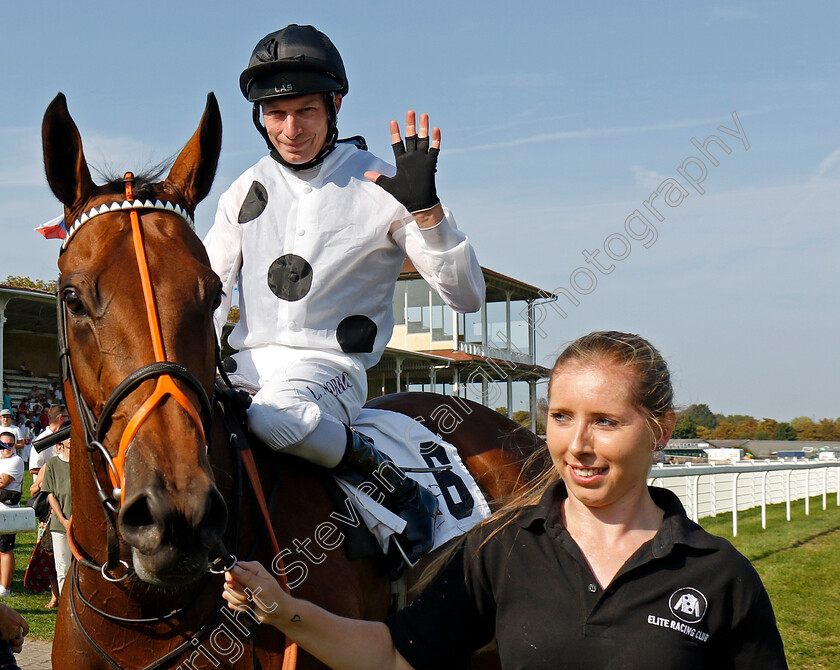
[326, 150]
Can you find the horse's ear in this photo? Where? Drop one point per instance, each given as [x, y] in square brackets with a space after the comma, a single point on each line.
[64, 160]
[194, 169]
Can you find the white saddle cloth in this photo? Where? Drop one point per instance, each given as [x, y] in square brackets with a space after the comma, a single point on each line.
[411, 445]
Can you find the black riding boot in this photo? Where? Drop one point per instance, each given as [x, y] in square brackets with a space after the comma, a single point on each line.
[364, 463]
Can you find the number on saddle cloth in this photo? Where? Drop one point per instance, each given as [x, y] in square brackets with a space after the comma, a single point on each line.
[433, 463]
[435, 455]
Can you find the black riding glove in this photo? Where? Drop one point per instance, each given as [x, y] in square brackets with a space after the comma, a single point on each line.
[414, 184]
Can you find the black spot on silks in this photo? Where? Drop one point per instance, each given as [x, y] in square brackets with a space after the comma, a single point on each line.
[290, 277]
[254, 204]
[356, 334]
[229, 364]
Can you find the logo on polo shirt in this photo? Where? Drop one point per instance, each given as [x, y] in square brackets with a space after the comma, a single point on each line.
[688, 604]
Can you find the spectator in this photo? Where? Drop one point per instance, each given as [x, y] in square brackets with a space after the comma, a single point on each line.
[56, 482]
[7, 424]
[22, 411]
[7, 397]
[58, 416]
[28, 433]
[11, 476]
[43, 416]
[26, 372]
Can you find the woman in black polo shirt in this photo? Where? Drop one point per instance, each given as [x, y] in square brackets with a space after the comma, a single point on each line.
[591, 569]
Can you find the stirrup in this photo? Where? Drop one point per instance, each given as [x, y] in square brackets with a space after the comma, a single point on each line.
[406, 498]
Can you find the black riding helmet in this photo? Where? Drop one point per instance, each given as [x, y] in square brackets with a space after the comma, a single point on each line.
[297, 60]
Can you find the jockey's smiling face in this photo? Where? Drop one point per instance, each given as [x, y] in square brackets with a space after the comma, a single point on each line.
[298, 125]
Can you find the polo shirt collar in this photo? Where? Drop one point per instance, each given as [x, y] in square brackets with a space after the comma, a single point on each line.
[676, 527]
[546, 509]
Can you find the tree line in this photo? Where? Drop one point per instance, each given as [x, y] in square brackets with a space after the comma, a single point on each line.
[35, 284]
[698, 421]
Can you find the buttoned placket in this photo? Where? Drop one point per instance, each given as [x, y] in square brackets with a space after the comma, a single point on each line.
[592, 596]
[295, 239]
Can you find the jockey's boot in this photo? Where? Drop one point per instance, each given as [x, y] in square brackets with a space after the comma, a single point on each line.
[364, 463]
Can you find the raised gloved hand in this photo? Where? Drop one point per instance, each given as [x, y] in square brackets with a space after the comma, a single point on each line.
[413, 185]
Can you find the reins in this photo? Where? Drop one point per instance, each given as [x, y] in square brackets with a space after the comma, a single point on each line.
[240, 442]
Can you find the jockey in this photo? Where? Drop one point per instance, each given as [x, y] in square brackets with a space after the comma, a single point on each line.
[316, 234]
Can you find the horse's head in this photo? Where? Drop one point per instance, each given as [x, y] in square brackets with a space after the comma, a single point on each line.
[137, 295]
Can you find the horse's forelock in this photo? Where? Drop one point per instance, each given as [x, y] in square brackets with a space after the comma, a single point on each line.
[145, 182]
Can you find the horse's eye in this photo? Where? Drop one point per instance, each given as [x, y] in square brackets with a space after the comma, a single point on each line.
[72, 301]
[217, 300]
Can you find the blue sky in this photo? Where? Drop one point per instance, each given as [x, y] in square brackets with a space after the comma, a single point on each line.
[559, 120]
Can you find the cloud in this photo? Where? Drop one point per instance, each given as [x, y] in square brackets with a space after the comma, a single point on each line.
[827, 163]
[543, 138]
[648, 178]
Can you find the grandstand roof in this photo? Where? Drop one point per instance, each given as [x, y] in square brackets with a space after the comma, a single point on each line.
[28, 310]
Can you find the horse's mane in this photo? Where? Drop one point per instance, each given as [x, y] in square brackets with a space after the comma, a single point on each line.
[145, 181]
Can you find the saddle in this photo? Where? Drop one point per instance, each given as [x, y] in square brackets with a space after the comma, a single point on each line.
[433, 463]
[359, 540]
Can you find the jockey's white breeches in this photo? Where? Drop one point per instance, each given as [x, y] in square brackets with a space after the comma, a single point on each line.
[295, 387]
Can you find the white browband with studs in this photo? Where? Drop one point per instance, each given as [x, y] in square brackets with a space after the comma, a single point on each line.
[126, 205]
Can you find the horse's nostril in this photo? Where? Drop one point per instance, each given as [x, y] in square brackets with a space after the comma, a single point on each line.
[139, 525]
[137, 514]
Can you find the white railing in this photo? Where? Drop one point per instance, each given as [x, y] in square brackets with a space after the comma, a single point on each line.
[708, 489]
[489, 351]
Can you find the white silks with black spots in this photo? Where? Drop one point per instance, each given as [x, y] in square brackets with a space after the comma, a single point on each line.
[316, 254]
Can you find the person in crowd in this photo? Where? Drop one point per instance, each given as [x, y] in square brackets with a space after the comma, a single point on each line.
[58, 416]
[43, 416]
[22, 411]
[56, 482]
[7, 397]
[589, 569]
[315, 234]
[28, 434]
[7, 423]
[11, 477]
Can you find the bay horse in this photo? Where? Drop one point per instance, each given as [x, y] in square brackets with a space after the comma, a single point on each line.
[158, 492]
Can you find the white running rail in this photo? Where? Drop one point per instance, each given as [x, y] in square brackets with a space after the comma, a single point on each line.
[707, 489]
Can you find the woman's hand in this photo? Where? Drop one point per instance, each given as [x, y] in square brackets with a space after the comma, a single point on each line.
[249, 584]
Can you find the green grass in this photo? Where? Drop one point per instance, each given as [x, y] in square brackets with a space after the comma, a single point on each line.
[799, 562]
[30, 605]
